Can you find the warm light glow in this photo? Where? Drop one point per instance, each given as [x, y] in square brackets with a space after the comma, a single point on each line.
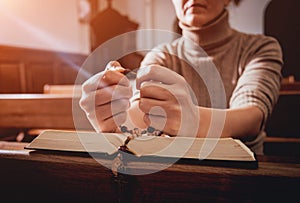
[27, 22]
[19, 20]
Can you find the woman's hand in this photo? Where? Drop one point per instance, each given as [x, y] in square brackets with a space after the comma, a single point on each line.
[105, 98]
[165, 98]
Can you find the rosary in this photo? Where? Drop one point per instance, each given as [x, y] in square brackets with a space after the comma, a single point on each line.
[119, 163]
[136, 132]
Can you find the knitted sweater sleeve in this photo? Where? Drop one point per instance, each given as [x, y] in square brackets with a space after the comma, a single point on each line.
[260, 77]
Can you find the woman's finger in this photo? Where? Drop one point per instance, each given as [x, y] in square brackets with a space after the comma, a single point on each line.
[105, 111]
[157, 91]
[111, 93]
[157, 73]
[111, 124]
[160, 108]
[112, 77]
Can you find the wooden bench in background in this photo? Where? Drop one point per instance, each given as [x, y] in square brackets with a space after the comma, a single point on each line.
[26, 70]
[42, 111]
[25, 74]
[283, 127]
[63, 89]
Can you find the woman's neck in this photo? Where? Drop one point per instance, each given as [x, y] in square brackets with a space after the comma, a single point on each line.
[216, 31]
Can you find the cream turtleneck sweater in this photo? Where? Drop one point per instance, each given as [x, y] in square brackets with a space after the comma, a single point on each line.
[225, 68]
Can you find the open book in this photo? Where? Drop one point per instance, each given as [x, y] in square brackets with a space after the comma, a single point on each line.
[218, 149]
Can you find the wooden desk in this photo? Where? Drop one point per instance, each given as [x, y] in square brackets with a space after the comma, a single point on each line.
[36, 177]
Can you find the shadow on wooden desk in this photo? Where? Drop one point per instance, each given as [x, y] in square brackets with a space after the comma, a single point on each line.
[41, 177]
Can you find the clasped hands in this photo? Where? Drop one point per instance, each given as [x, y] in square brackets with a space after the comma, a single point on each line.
[163, 100]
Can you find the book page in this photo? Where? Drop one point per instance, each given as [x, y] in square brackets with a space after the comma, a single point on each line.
[173, 147]
[193, 148]
[77, 141]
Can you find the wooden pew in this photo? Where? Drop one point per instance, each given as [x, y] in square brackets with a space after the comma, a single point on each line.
[62, 89]
[37, 176]
[26, 70]
[69, 90]
[283, 127]
[52, 111]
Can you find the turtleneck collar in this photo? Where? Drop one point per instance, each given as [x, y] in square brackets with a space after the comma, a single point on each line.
[213, 33]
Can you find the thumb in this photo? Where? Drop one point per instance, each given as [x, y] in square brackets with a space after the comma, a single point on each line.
[114, 66]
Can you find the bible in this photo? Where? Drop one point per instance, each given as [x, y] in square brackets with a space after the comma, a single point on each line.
[226, 150]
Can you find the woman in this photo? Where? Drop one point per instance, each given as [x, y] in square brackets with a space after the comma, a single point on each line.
[248, 67]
